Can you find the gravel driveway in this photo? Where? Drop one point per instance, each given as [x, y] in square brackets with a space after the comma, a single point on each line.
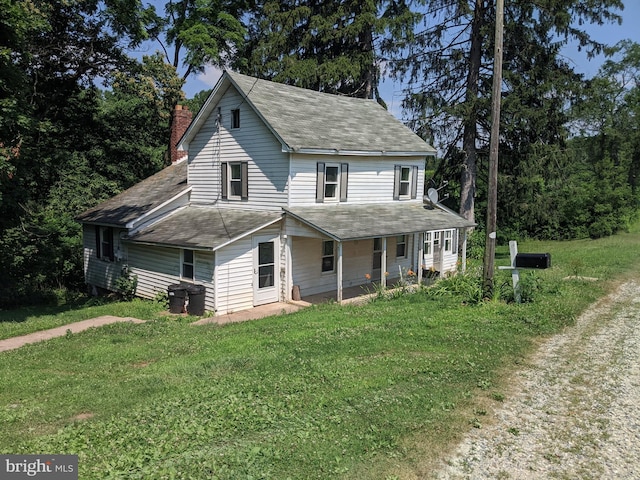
[573, 411]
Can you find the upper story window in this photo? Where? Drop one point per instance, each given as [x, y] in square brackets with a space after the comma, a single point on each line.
[235, 118]
[405, 184]
[401, 246]
[104, 243]
[331, 182]
[328, 256]
[331, 186]
[188, 264]
[235, 180]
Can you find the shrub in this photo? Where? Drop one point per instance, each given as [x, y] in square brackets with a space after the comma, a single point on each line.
[126, 284]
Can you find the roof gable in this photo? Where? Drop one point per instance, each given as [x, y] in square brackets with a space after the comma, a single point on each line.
[315, 122]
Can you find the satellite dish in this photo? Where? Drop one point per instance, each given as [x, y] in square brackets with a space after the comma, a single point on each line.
[432, 193]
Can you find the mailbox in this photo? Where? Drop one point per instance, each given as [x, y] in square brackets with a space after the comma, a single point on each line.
[533, 260]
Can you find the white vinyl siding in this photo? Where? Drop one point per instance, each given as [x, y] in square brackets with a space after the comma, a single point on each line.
[159, 267]
[97, 271]
[268, 167]
[234, 271]
[371, 179]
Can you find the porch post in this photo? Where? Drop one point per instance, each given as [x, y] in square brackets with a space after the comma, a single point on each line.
[339, 273]
[420, 237]
[464, 250]
[383, 264]
[288, 268]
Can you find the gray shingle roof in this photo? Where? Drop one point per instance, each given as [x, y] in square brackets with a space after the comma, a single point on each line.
[353, 222]
[204, 227]
[139, 199]
[309, 120]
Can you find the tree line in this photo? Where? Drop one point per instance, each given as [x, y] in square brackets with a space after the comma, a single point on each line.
[82, 118]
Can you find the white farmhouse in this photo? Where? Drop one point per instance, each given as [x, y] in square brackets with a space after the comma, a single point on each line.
[282, 187]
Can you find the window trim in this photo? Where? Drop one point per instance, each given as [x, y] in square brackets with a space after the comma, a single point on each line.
[437, 238]
[448, 241]
[341, 183]
[427, 247]
[405, 183]
[412, 182]
[226, 180]
[336, 196]
[184, 263]
[404, 246]
[102, 253]
[235, 119]
[332, 256]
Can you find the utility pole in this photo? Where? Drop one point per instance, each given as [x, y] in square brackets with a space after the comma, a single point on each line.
[492, 200]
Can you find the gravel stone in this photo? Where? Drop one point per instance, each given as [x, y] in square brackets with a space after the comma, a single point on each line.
[573, 411]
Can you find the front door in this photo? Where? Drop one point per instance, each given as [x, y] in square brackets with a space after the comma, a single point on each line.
[266, 273]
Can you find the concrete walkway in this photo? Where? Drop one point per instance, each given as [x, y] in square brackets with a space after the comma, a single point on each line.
[17, 342]
[244, 315]
[254, 313]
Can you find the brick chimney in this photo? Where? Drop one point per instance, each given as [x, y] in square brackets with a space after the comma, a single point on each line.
[179, 125]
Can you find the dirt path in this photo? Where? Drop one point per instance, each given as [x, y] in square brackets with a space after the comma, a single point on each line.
[574, 412]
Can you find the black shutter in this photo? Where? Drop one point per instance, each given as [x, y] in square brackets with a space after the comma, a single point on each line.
[97, 227]
[224, 182]
[109, 234]
[397, 171]
[244, 172]
[414, 183]
[320, 182]
[344, 181]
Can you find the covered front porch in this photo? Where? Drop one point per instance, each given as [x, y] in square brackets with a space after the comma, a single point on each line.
[338, 252]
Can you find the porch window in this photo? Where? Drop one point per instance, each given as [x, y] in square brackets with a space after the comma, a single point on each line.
[377, 253]
[448, 241]
[235, 178]
[428, 243]
[328, 256]
[104, 243]
[187, 264]
[331, 182]
[401, 246]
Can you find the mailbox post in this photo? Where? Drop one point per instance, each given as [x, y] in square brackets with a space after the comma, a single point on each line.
[524, 260]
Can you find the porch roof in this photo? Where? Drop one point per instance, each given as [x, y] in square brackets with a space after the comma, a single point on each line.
[345, 222]
[204, 228]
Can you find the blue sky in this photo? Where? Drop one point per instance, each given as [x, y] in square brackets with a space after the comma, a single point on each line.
[392, 92]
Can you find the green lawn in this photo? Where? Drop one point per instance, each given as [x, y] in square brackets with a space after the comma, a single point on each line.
[373, 391]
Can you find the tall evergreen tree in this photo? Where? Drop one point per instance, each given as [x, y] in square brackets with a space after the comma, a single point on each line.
[447, 67]
[326, 46]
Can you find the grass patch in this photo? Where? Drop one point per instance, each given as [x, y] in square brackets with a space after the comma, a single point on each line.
[373, 391]
[21, 321]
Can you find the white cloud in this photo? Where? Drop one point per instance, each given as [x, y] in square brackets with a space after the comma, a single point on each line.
[210, 76]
